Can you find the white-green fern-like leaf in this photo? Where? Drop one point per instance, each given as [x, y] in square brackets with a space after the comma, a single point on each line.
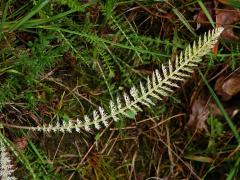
[6, 169]
[160, 84]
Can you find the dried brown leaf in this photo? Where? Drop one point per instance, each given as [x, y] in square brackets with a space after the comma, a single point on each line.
[200, 110]
[228, 86]
[227, 18]
[198, 116]
[21, 143]
[201, 107]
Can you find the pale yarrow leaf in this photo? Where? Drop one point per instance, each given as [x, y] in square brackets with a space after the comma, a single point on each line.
[162, 83]
[6, 168]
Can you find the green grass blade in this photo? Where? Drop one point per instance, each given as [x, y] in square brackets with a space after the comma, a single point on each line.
[206, 12]
[235, 168]
[35, 10]
[234, 3]
[37, 22]
[4, 15]
[220, 106]
[184, 21]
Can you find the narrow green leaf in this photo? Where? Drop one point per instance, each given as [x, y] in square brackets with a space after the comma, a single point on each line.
[34, 11]
[234, 3]
[206, 12]
[32, 23]
[220, 106]
[184, 21]
[235, 168]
